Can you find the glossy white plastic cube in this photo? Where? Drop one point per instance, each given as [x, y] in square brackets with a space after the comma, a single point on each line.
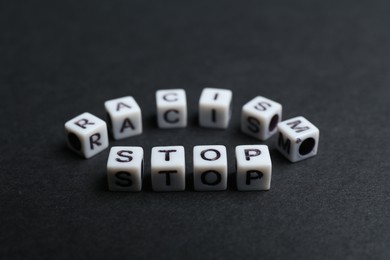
[215, 107]
[86, 135]
[297, 139]
[260, 117]
[125, 167]
[124, 117]
[254, 167]
[168, 168]
[210, 167]
[171, 108]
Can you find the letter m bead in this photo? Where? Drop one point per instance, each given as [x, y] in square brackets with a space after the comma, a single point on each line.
[297, 139]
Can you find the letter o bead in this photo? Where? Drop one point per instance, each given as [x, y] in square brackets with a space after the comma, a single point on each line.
[125, 167]
[254, 167]
[210, 168]
[86, 135]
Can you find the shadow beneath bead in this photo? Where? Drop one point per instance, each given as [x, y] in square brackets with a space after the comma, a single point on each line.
[189, 182]
[244, 138]
[231, 181]
[147, 182]
[150, 122]
[193, 120]
[102, 184]
[278, 158]
[66, 153]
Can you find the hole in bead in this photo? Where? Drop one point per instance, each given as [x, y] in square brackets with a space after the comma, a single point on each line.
[307, 146]
[74, 141]
[273, 123]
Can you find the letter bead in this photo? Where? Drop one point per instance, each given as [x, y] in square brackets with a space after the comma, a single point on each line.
[297, 139]
[215, 107]
[168, 168]
[260, 117]
[125, 167]
[124, 117]
[171, 108]
[253, 167]
[210, 167]
[86, 135]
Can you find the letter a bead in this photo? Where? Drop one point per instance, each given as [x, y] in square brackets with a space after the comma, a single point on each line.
[124, 117]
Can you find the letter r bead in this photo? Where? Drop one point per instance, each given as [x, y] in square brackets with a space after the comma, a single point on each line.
[86, 135]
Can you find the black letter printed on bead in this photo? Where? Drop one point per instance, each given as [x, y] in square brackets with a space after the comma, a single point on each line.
[122, 153]
[167, 176]
[83, 122]
[217, 175]
[249, 176]
[251, 153]
[94, 139]
[216, 157]
[125, 178]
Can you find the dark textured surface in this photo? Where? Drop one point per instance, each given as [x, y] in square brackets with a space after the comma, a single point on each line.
[326, 60]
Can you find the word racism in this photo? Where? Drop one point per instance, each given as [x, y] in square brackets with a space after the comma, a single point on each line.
[261, 118]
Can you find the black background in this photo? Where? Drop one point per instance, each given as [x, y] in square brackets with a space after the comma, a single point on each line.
[326, 60]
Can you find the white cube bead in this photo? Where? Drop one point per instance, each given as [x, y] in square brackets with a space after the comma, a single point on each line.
[260, 117]
[171, 108]
[210, 167]
[297, 139]
[125, 167]
[254, 167]
[86, 135]
[124, 117]
[168, 168]
[215, 107]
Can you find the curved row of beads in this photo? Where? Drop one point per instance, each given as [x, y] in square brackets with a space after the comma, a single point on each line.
[261, 118]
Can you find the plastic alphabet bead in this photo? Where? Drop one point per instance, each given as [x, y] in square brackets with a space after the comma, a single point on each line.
[171, 108]
[297, 139]
[260, 117]
[168, 168]
[86, 135]
[210, 167]
[125, 167]
[124, 117]
[215, 107]
[253, 167]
